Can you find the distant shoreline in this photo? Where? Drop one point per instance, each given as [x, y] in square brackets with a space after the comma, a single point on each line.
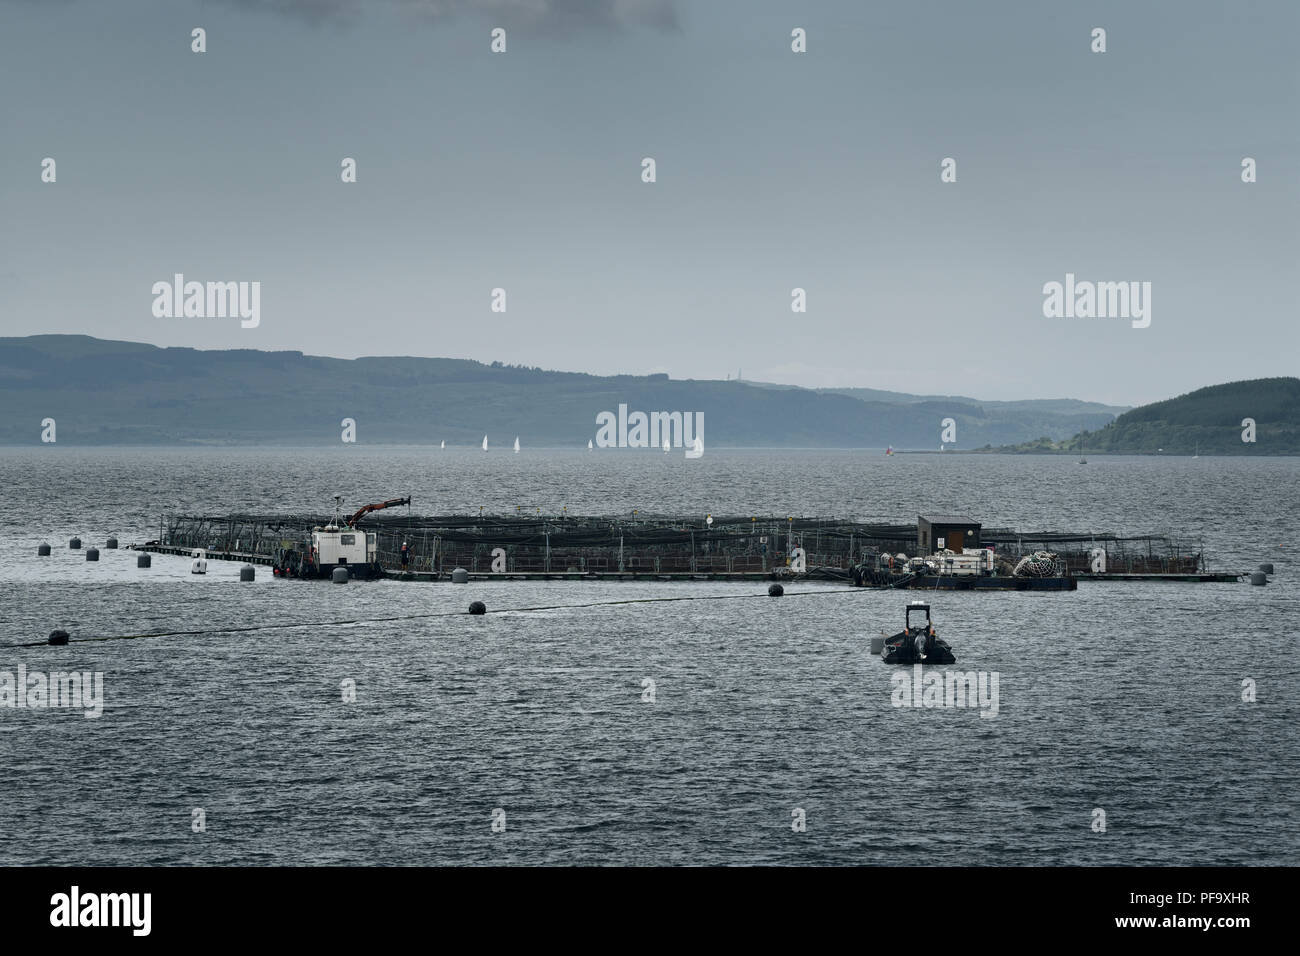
[647, 452]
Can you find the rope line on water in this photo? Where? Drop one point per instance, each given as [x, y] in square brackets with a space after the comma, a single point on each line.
[425, 616]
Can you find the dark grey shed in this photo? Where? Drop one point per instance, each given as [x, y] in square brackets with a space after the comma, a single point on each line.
[954, 531]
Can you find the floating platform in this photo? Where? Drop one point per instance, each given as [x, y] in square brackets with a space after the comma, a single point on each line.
[1203, 577]
[533, 546]
[243, 557]
[992, 582]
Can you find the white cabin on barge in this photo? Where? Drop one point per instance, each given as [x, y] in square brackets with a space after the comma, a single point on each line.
[333, 546]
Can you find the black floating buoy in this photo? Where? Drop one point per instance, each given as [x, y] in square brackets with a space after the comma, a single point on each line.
[1266, 568]
[477, 607]
[75, 544]
[58, 637]
[339, 575]
[459, 576]
[1258, 577]
[249, 573]
[43, 550]
[111, 544]
[775, 590]
[144, 561]
[92, 554]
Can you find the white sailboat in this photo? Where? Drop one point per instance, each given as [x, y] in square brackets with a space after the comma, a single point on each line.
[588, 444]
[444, 444]
[516, 444]
[667, 446]
[696, 450]
[485, 442]
[1198, 450]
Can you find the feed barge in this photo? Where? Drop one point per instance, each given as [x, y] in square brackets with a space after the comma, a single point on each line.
[936, 552]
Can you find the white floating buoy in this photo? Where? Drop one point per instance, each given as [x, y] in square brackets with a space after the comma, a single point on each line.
[696, 450]
[200, 563]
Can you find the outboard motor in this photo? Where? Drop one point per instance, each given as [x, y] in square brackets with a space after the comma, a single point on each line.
[916, 643]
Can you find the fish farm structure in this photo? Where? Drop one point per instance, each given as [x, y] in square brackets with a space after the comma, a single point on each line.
[935, 551]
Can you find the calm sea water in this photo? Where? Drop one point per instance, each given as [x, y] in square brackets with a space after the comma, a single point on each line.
[1124, 698]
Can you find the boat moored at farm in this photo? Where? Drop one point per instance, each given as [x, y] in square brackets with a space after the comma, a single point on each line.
[336, 545]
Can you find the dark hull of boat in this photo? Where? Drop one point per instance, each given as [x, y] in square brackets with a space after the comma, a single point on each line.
[325, 572]
[901, 649]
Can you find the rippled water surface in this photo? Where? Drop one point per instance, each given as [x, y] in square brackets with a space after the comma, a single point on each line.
[1120, 697]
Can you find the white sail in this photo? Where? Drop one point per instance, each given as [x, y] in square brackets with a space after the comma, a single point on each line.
[485, 442]
[516, 444]
[588, 444]
[696, 450]
[667, 446]
[444, 444]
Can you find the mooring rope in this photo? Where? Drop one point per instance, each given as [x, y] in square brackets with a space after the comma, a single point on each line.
[426, 615]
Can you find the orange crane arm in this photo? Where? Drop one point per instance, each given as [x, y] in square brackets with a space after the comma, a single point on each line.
[362, 512]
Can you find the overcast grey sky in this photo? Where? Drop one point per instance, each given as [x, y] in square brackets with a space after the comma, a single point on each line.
[775, 170]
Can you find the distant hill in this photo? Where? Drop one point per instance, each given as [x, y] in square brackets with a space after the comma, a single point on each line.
[1054, 417]
[105, 392]
[1064, 406]
[1207, 421]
